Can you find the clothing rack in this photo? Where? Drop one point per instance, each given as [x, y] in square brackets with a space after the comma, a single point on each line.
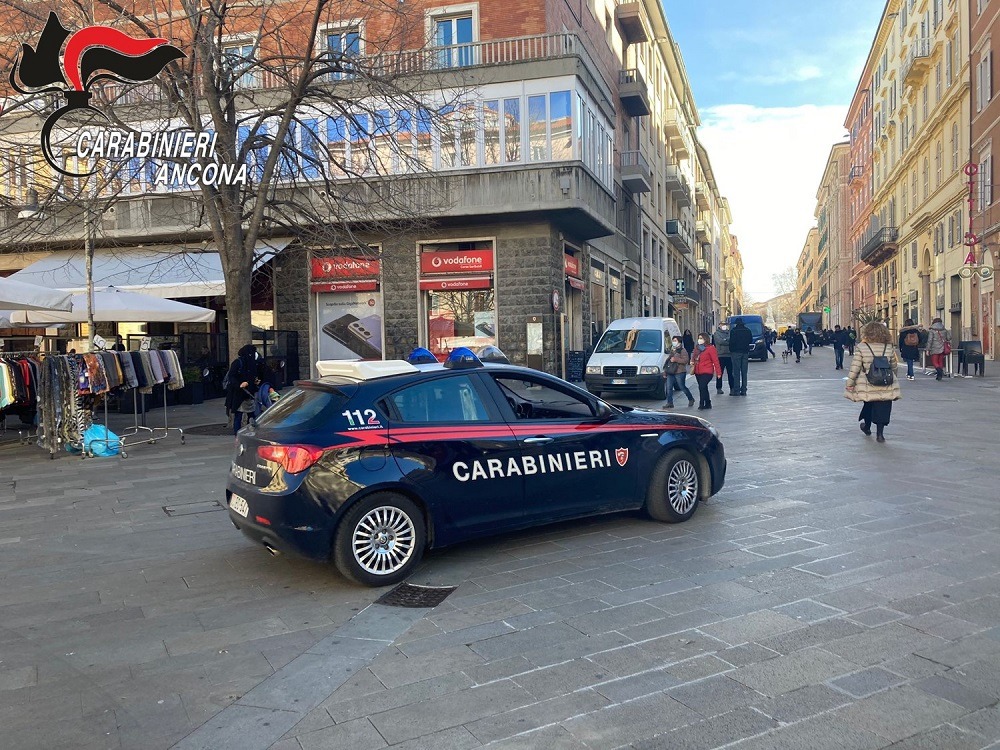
[25, 435]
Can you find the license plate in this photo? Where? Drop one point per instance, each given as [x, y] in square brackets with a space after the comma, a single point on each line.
[240, 505]
[619, 382]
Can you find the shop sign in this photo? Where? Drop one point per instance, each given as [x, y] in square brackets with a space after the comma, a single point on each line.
[456, 261]
[596, 276]
[453, 284]
[571, 265]
[616, 282]
[345, 267]
[345, 286]
[576, 283]
[680, 305]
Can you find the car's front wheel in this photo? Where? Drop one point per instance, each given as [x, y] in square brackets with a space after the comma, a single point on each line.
[380, 540]
[674, 487]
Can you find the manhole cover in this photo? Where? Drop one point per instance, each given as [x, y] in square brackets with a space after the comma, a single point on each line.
[209, 429]
[408, 595]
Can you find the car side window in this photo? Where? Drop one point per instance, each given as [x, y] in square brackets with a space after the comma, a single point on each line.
[534, 399]
[452, 399]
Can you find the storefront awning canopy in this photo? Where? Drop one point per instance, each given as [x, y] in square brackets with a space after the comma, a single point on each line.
[167, 271]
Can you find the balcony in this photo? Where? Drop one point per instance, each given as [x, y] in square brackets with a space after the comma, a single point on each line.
[955, 307]
[881, 245]
[681, 189]
[689, 295]
[939, 302]
[630, 18]
[636, 174]
[672, 177]
[703, 231]
[680, 236]
[704, 270]
[702, 196]
[633, 92]
[856, 173]
[673, 125]
[918, 62]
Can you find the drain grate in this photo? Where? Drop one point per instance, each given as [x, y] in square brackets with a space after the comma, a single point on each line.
[408, 595]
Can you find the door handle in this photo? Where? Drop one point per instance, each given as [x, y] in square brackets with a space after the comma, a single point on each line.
[537, 440]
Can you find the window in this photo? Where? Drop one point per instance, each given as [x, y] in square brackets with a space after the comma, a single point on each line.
[916, 202]
[937, 83]
[938, 165]
[311, 148]
[986, 182]
[449, 399]
[455, 36]
[491, 131]
[512, 129]
[904, 203]
[984, 80]
[924, 104]
[342, 46]
[239, 60]
[534, 399]
[927, 176]
[956, 146]
[949, 65]
[620, 341]
[561, 125]
[538, 141]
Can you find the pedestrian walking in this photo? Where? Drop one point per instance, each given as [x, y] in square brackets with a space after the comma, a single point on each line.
[810, 339]
[787, 336]
[852, 340]
[770, 337]
[909, 345]
[688, 341]
[871, 379]
[839, 338]
[705, 366]
[677, 366]
[740, 343]
[938, 346]
[798, 343]
[721, 341]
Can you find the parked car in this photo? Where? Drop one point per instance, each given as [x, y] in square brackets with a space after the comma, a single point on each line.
[756, 325]
[631, 357]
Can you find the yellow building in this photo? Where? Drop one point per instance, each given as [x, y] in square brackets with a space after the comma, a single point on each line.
[807, 274]
[920, 126]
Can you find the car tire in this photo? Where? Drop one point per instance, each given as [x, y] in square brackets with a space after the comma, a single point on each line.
[662, 391]
[674, 487]
[380, 540]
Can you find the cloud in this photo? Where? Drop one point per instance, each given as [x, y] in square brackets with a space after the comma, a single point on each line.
[781, 76]
[768, 161]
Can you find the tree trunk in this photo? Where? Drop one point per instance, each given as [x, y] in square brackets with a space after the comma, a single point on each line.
[237, 277]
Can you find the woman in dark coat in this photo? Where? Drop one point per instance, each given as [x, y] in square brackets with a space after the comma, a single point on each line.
[798, 343]
[688, 341]
[240, 376]
[909, 345]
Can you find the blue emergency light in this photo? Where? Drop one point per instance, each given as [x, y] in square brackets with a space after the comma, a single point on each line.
[462, 358]
[421, 356]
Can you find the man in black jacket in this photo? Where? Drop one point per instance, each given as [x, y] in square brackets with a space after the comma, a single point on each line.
[740, 343]
[839, 342]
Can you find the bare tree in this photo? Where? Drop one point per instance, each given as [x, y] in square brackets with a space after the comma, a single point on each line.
[786, 281]
[319, 114]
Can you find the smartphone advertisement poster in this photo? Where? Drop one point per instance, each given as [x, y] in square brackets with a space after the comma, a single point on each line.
[350, 325]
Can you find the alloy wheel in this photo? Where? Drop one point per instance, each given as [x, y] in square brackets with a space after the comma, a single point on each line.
[383, 540]
[682, 486]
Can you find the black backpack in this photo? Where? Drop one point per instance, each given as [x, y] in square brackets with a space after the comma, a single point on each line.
[880, 373]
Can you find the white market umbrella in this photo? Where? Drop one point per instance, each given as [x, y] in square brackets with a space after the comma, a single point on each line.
[114, 306]
[19, 295]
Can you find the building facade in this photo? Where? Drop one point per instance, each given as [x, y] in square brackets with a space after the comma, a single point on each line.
[807, 273]
[834, 256]
[985, 47]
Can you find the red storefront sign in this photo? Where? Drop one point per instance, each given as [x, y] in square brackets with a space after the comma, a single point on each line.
[456, 261]
[571, 264]
[345, 267]
[456, 283]
[345, 286]
[576, 283]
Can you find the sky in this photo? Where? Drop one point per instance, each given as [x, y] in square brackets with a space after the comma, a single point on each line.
[772, 80]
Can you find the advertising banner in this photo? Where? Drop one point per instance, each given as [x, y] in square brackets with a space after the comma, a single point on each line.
[345, 267]
[456, 261]
[349, 325]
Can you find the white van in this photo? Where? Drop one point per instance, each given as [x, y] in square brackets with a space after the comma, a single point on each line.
[631, 357]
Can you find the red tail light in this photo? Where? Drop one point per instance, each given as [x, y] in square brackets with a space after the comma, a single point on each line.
[293, 458]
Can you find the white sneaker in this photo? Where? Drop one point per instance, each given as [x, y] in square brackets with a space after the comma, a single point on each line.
[910, 377]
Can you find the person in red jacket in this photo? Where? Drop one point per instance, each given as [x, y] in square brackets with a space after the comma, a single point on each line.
[706, 366]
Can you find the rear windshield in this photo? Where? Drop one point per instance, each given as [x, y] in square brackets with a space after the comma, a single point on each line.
[304, 409]
[630, 340]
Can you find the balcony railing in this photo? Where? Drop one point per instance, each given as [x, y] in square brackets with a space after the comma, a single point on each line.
[633, 92]
[703, 268]
[883, 239]
[856, 173]
[918, 61]
[688, 295]
[680, 236]
[636, 173]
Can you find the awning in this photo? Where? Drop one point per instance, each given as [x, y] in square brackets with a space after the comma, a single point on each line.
[168, 271]
[21, 295]
[117, 306]
[576, 283]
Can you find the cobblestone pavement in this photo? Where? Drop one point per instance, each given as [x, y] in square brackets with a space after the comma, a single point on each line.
[837, 593]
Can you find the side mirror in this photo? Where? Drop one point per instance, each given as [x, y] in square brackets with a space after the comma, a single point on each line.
[602, 410]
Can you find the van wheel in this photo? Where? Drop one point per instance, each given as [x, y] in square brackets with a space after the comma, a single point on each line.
[674, 488]
[662, 391]
[380, 540]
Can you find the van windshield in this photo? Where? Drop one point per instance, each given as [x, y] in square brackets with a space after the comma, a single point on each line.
[618, 341]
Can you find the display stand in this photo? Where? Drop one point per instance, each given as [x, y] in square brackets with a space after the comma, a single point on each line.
[136, 429]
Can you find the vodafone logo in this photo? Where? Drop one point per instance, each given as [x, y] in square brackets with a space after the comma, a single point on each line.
[457, 261]
[463, 261]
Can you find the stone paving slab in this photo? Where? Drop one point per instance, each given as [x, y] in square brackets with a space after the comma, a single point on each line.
[830, 596]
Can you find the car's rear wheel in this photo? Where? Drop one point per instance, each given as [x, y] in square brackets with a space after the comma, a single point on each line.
[380, 540]
[674, 488]
[661, 392]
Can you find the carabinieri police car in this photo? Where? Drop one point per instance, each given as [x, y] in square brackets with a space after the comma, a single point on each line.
[375, 462]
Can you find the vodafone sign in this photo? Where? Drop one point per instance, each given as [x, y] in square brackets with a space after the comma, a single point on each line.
[458, 283]
[345, 267]
[456, 261]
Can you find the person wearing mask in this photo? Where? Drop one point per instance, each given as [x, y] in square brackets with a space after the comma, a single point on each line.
[705, 366]
[688, 341]
[839, 342]
[677, 364]
[240, 396]
[770, 337]
[721, 340]
[938, 346]
[740, 344]
[810, 339]
[798, 343]
[909, 345]
[787, 336]
[876, 399]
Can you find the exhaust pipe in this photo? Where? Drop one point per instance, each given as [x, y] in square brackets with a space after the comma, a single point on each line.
[271, 550]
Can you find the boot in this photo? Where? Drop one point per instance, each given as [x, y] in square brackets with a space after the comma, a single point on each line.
[878, 433]
[866, 427]
[940, 373]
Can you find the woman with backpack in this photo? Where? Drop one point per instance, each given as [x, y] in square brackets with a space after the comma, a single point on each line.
[872, 378]
[938, 346]
[909, 345]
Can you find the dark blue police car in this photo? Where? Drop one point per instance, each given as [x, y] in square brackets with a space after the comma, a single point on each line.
[377, 461]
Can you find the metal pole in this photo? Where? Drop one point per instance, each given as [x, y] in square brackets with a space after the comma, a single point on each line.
[88, 250]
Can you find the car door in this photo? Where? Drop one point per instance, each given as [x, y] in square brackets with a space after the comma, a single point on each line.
[575, 462]
[455, 450]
